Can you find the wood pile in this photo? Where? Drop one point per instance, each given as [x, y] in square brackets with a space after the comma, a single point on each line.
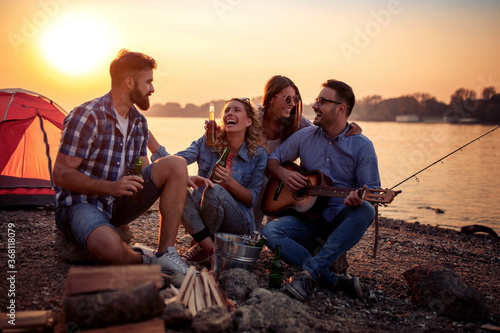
[120, 299]
[113, 299]
[199, 291]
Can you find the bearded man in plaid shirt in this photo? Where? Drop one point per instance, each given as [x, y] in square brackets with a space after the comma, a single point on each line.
[100, 143]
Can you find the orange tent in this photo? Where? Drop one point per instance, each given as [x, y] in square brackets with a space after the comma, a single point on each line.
[30, 131]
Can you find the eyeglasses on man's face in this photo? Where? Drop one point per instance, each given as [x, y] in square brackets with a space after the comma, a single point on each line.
[321, 101]
[289, 99]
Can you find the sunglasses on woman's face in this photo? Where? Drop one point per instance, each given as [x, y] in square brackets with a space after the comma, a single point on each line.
[289, 99]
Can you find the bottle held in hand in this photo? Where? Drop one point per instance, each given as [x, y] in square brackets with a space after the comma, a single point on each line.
[211, 126]
[221, 162]
[261, 242]
[137, 196]
[276, 270]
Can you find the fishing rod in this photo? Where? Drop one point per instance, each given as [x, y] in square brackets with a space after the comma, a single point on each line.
[442, 158]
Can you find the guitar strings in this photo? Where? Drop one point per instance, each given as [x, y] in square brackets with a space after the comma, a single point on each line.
[442, 158]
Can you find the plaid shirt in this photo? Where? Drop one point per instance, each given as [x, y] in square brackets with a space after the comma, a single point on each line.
[91, 132]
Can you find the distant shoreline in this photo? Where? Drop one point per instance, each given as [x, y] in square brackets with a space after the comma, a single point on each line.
[311, 116]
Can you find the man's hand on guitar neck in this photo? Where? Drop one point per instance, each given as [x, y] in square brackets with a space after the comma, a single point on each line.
[353, 198]
[292, 180]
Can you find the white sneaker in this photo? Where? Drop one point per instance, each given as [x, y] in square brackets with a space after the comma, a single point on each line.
[170, 262]
[147, 252]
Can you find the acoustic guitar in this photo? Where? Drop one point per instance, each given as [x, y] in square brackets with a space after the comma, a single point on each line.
[312, 199]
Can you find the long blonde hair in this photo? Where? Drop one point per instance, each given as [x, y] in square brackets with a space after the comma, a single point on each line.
[253, 134]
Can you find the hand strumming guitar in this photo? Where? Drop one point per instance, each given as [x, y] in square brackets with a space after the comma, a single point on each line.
[292, 180]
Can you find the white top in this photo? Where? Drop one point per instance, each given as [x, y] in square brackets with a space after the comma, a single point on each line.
[123, 125]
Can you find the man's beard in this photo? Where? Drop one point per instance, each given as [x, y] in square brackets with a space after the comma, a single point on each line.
[141, 101]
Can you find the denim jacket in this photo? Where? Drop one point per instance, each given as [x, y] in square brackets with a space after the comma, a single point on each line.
[248, 170]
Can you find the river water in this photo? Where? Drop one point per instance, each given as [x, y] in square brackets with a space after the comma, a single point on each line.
[463, 185]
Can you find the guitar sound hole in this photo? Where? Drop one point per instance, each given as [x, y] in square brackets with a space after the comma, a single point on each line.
[302, 193]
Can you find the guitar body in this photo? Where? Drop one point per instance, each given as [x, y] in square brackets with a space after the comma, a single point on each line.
[311, 200]
[278, 201]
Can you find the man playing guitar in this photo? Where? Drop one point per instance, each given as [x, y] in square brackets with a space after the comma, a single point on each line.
[350, 162]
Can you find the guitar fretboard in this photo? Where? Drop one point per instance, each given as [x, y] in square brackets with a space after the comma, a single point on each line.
[327, 191]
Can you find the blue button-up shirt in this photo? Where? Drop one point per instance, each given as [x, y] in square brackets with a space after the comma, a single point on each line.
[92, 133]
[248, 170]
[348, 161]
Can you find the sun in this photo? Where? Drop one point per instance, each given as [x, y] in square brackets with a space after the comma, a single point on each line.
[77, 44]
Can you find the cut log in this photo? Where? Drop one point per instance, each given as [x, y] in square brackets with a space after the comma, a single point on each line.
[206, 288]
[150, 326]
[199, 294]
[28, 321]
[108, 308]
[84, 279]
[185, 284]
[214, 289]
[191, 302]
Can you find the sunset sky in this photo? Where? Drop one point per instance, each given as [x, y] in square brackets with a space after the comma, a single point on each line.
[216, 49]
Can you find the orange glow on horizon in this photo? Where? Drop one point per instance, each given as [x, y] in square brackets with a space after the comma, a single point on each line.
[62, 49]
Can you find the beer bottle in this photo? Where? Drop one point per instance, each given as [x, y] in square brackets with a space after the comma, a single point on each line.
[137, 196]
[276, 269]
[221, 162]
[261, 242]
[211, 126]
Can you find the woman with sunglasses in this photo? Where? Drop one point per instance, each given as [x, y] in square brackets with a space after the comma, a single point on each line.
[281, 114]
[225, 204]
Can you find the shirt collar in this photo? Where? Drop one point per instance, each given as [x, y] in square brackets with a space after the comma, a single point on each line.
[340, 136]
[243, 152]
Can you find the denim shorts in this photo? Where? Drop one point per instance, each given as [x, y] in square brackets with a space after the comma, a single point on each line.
[79, 220]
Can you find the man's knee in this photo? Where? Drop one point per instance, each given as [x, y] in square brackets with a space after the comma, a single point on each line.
[175, 165]
[368, 210]
[169, 168]
[269, 230]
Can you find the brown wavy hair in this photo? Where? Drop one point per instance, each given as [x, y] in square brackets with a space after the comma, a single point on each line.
[253, 134]
[273, 86]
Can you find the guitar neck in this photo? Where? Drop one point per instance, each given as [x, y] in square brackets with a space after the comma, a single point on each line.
[328, 191]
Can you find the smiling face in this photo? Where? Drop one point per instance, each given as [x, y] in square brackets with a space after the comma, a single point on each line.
[279, 107]
[235, 117]
[143, 88]
[329, 114]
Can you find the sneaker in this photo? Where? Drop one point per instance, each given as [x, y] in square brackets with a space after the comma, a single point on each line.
[351, 287]
[146, 252]
[170, 262]
[300, 285]
[196, 255]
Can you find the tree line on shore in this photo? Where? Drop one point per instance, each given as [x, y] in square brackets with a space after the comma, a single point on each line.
[464, 106]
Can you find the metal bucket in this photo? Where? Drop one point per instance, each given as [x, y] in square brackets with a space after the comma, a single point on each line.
[231, 252]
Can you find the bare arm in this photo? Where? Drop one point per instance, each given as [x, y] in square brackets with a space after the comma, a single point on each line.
[67, 176]
[153, 144]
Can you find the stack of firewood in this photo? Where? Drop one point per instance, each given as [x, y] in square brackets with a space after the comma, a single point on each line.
[114, 298]
[199, 291]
